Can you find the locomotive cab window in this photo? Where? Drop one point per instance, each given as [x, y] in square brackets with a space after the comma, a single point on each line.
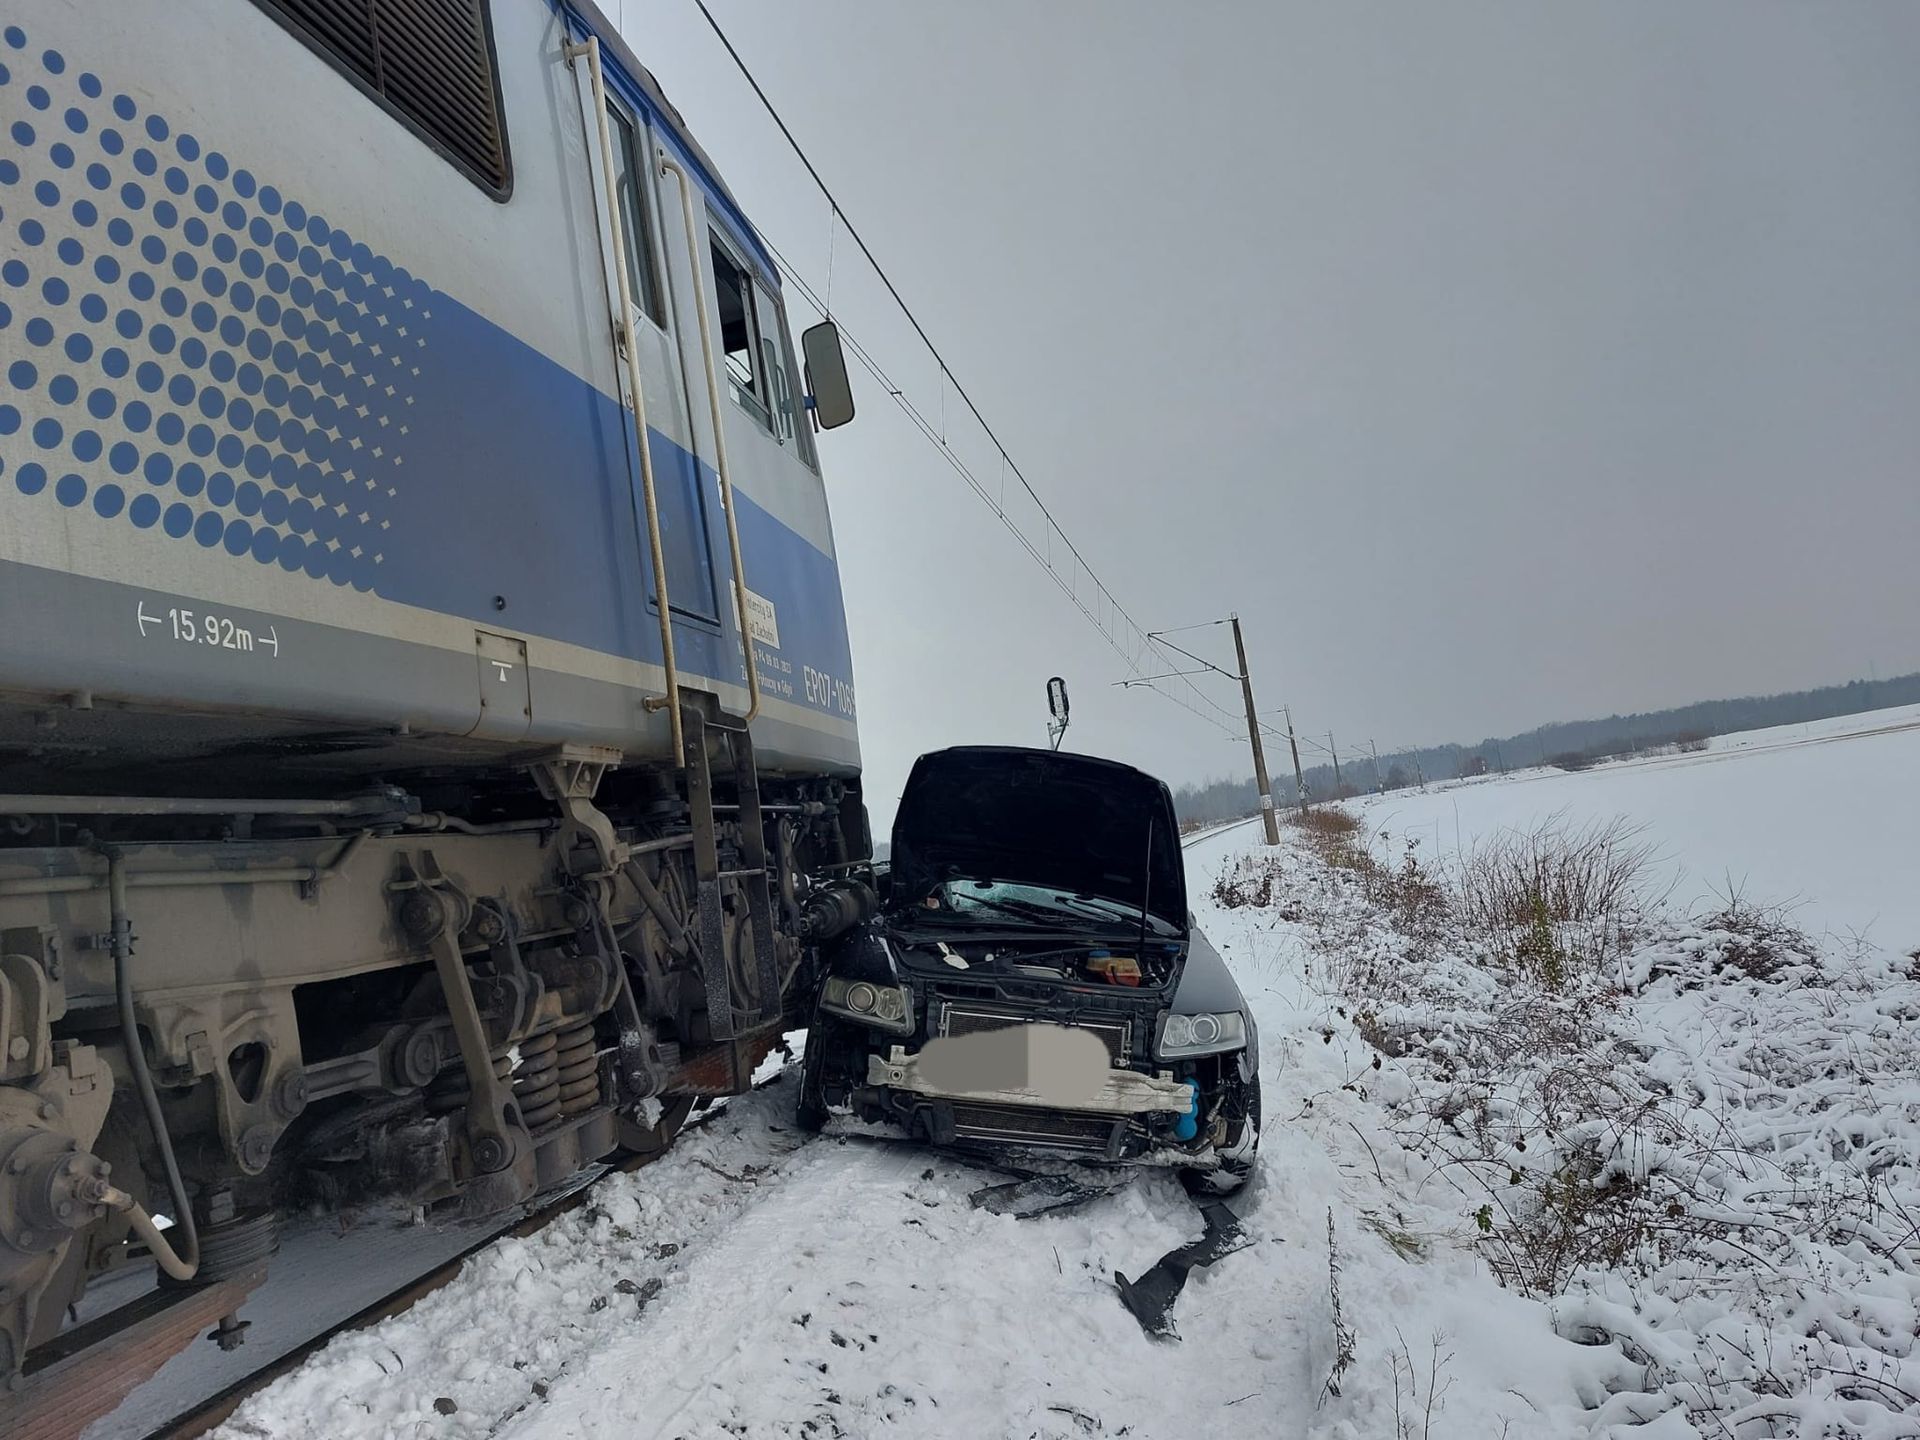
[429, 62]
[636, 217]
[739, 334]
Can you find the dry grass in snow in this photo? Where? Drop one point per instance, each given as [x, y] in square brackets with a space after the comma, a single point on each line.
[1696, 1136]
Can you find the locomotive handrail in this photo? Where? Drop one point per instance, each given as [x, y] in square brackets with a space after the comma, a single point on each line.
[624, 334]
[667, 163]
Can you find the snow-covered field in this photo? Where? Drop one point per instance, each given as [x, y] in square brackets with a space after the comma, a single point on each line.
[1706, 1161]
[1826, 815]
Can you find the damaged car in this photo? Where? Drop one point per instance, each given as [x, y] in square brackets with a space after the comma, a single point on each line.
[1034, 979]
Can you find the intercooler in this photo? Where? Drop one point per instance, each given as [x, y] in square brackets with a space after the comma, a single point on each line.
[1012, 1124]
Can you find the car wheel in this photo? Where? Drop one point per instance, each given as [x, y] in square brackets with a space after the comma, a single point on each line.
[824, 1041]
[1241, 1152]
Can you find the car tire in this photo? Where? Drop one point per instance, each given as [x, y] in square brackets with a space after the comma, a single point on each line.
[824, 1038]
[1241, 1153]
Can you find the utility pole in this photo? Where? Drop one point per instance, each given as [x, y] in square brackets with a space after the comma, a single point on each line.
[1379, 785]
[1253, 734]
[1299, 784]
[1334, 751]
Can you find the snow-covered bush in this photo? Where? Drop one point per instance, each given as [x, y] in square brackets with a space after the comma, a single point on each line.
[1698, 1135]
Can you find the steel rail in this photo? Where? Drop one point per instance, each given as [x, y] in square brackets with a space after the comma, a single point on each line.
[216, 1409]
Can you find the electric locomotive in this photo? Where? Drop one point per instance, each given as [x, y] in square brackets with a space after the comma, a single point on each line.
[428, 758]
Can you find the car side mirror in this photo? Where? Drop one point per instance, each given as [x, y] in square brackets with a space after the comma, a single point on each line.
[1057, 709]
[832, 397]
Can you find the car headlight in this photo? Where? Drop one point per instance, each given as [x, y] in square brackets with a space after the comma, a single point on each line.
[885, 1007]
[1203, 1034]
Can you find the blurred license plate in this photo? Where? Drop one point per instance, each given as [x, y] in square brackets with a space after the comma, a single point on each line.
[1055, 1063]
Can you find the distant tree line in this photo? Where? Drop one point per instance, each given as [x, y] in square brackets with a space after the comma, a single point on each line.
[1569, 744]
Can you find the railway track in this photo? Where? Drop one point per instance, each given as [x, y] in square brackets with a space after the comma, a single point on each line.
[206, 1415]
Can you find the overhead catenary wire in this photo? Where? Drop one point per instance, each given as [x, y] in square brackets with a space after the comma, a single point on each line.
[925, 426]
[935, 431]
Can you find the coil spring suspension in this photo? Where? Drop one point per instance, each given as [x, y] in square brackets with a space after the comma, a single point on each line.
[450, 1092]
[536, 1084]
[558, 1077]
[232, 1247]
[578, 1059]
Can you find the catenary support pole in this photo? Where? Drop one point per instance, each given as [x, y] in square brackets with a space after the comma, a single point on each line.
[1299, 781]
[1253, 734]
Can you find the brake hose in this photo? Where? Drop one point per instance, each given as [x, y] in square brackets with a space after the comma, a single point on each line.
[121, 942]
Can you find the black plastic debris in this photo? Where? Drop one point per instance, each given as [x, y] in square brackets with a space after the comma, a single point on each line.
[1150, 1298]
[1043, 1194]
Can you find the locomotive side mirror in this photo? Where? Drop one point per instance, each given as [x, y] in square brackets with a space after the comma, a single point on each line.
[832, 397]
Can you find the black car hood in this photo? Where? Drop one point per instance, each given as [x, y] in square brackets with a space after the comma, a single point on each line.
[1069, 822]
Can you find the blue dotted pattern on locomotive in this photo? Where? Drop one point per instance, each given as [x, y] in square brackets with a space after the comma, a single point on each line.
[278, 392]
[286, 353]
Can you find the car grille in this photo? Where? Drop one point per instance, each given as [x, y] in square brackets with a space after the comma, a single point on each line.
[1115, 1032]
[1013, 1124]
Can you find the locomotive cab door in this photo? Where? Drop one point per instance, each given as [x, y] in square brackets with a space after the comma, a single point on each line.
[686, 534]
[636, 244]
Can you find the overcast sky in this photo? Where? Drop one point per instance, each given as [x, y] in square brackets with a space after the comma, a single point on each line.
[1498, 363]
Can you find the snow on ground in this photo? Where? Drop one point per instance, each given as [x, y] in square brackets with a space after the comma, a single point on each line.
[327, 1269]
[1731, 1141]
[1822, 814]
[750, 1284]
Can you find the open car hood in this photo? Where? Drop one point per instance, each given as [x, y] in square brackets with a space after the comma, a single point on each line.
[1067, 822]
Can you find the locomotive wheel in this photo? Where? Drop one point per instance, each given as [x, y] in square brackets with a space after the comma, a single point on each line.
[742, 964]
[675, 884]
[638, 1139]
[657, 969]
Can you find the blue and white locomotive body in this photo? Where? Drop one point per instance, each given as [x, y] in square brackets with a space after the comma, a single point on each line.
[277, 363]
[372, 375]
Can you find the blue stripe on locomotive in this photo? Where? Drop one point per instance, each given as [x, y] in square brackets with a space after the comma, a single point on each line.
[304, 402]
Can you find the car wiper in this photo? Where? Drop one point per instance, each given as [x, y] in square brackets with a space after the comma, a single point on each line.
[946, 916]
[1110, 910]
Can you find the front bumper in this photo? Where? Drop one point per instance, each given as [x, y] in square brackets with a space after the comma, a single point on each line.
[1118, 1101]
